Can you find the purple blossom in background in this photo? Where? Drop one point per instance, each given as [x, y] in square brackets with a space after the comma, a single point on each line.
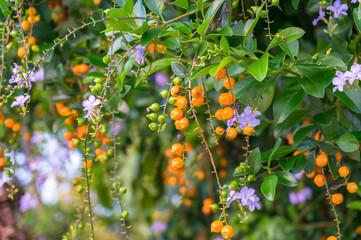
[3, 179]
[89, 106]
[354, 73]
[116, 127]
[27, 201]
[337, 8]
[20, 101]
[247, 118]
[353, 1]
[161, 79]
[339, 81]
[301, 196]
[39, 75]
[139, 54]
[37, 137]
[322, 14]
[16, 70]
[159, 227]
[298, 176]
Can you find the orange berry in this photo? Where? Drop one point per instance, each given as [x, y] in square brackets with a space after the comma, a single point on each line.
[352, 187]
[307, 121]
[25, 25]
[76, 69]
[223, 162]
[222, 173]
[338, 156]
[219, 115]
[331, 238]
[216, 226]
[21, 52]
[181, 102]
[228, 113]
[32, 19]
[358, 230]
[16, 127]
[64, 111]
[228, 83]
[231, 133]
[220, 130]
[337, 198]
[221, 73]
[227, 232]
[69, 120]
[106, 141]
[197, 91]
[177, 149]
[9, 123]
[83, 68]
[98, 151]
[176, 114]
[175, 91]
[248, 130]
[343, 171]
[296, 152]
[198, 101]
[319, 180]
[159, 48]
[322, 160]
[2, 162]
[201, 175]
[72, 145]
[177, 163]
[32, 40]
[311, 175]
[181, 124]
[289, 139]
[223, 99]
[68, 136]
[32, 11]
[89, 164]
[318, 135]
[97, 2]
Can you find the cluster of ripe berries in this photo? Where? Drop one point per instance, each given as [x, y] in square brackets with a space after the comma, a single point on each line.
[226, 230]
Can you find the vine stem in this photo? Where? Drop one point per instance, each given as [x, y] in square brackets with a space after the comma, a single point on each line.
[22, 35]
[333, 209]
[115, 178]
[88, 184]
[3, 53]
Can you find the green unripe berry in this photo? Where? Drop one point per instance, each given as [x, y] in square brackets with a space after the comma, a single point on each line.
[16, 145]
[224, 199]
[76, 141]
[81, 121]
[161, 119]
[251, 177]
[224, 193]
[278, 36]
[111, 152]
[323, 3]
[7, 161]
[275, 2]
[122, 190]
[106, 59]
[214, 207]
[239, 170]
[263, 14]
[164, 93]
[97, 144]
[35, 48]
[98, 80]
[11, 141]
[88, 149]
[105, 158]
[255, 8]
[125, 214]
[7, 150]
[177, 81]
[81, 225]
[163, 127]
[104, 129]
[9, 46]
[152, 116]
[233, 186]
[98, 87]
[172, 100]
[80, 188]
[153, 126]
[14, 33]
[154, 107]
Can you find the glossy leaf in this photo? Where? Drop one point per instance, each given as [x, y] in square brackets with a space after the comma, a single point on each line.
[347, 142]
[259, 68]
[286, 178]
[268, 187]
[254, 161]
[285, 103]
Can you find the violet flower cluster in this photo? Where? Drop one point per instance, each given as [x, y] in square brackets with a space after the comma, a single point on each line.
[247, 196]
[90, 105]
[247, 118]
[337, 8]
[139, 54]
[349, 77]
[27, 201]
[159, 226]
[301, 196]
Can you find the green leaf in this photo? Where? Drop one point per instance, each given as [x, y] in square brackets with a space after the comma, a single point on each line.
[149, 35]
[300, 163]
[325, 118]
[212, 10]
[4, 7]
[348, 142]
[225, 45]
[290, 34]
[243, 85]
[179, 69]
[294, 118]
[275, 148]
[259, 68]
[280, 152]
[120, 3]
[295, 3]
[200, 7]
[181, 3]
[286, 103]
[286, 178]
[328, 147]
[227, 60]
[356, 18]
[156, 6]
[125, 25]
[203, 27]
[251, 24]
[355, 205]
[201, 72]
[254, 161]
[92, 75]
[128, 6]
[301, 133]
[139, 11]
[332, 165]
[96, 59]
[268, 187]
[291, 48]
[311, 162]
[287, 163]
[352, 98]
[355, 155]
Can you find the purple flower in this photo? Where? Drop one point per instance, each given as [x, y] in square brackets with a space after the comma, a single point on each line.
[17, 79]
[232, 195]
[354, 73]
[20, 101]
[247, 196]
[89, 106]
[27, 201]
[116, 127]
[338, 8]
[16, 70]
[161, 79]
[139, 54]
[298, 176]
[247, 118]
[159, 227]
[353, 1]
[36, 138]
[301, 196]
[339, 81]
[39, 75]
[322, 14]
